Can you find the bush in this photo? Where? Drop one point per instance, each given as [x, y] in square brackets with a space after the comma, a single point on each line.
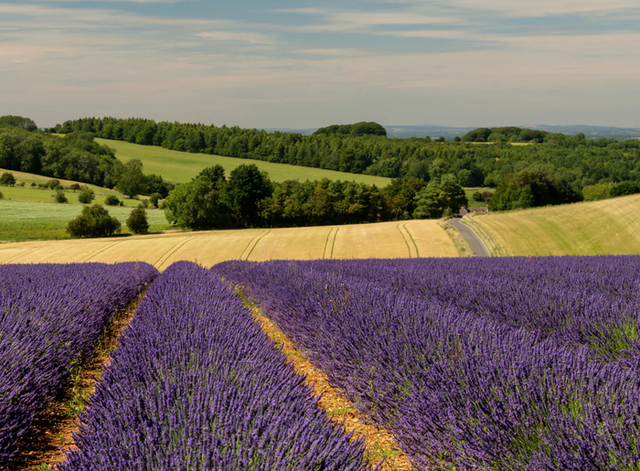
[625, 188]
[154, 198]
[54, 184]
[112, 200]
[20, 184]
[60, 197]
[1, 196]
[86, 196]
[7, 179]
[34, 184]
[137, 221]
[94, 221]
[74, 187]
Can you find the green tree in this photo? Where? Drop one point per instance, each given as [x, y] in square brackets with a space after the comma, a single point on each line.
[7, 179]
[112, 200]
[154, 198]
[197, 205]
[86, 196]
[94, 221]
[137, 221]
[131, 181]
[440, 198]
[60, 197]
[245, 188]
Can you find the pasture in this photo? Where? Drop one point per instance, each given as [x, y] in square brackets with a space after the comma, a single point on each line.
[404, 239]
[180, 167]
[607, 227]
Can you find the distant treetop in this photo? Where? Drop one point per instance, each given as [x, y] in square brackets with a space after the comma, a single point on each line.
[506, 134]
[18, 121]
[357, 129]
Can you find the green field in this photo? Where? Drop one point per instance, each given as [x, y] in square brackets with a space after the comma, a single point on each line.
[180, 167]
[470, 191]
[25, 220]
[607, 227]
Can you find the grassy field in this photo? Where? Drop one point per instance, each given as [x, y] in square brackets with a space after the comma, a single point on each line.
[390, 239]
[181, 167]
[25, 220]
[470, 191]
[595, 228]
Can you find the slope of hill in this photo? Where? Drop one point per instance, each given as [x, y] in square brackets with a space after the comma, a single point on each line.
[181, 167]
[383, 240]
[607, 227]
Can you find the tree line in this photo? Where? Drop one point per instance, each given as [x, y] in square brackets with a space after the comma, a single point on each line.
[75, 156]
[248, 198]
[483, 157]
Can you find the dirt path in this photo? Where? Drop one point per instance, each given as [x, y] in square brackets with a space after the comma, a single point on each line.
[378, 441]
[57, 424]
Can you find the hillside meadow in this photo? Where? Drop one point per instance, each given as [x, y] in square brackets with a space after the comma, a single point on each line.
[406, 239]
[180, 167]
[607, 227]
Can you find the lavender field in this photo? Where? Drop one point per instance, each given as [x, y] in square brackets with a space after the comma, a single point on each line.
[520, 363]
[51, 317]
[195, 384]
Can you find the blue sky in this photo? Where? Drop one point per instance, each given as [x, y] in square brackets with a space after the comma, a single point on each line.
[305, 64]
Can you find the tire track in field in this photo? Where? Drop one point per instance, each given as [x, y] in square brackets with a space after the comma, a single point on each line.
[412, 239]
[28, 252]
[91, 255]
[256, 244]
[248, 247]
[405, 240]
[163, 259]
[335, 236]
[326, 243]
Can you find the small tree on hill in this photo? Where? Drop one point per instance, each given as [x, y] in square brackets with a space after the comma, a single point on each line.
[60, 197]
[137, 221]
[112, 200]
[74, 187]
[7, 179]
[94, 221]
[1, 196]
[86, 196]
[154, 198]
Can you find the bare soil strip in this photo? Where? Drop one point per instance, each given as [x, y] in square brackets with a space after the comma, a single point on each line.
[57, 424]
[378, 441]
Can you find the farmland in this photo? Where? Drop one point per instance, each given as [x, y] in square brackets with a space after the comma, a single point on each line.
[602, 227]
[180, 167]
[392, 239]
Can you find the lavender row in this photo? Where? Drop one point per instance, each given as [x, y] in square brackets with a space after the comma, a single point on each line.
[51, 317]
[589, 301]
[196, 384]
[462, 383]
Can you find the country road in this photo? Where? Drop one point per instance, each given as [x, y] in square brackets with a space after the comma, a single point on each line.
[476, 244]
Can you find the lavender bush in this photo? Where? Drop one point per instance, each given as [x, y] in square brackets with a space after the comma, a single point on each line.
[51, 317]
[196, 384]
[473, 364]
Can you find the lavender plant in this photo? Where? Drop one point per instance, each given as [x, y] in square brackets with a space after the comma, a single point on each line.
[51, 317]
[196, 384]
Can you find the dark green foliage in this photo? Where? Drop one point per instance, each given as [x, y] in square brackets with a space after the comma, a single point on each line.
[154, 198]
[132, 181]
[1, 196]
[137, 221]
[507, 134]
[440, 198]
[214, 174]
[86, 196]
[198, 205]
[54, 184]
[529, 188]
[60, 197]
[94, 221]
[19, 122]
[624, 188]
[112, 200]
[245, 188]
[7, 179]
[357, 129]
[75, 186]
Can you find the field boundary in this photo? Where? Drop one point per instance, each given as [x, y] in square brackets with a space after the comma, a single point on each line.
[379, 442]
[461, 244]
[57, 424]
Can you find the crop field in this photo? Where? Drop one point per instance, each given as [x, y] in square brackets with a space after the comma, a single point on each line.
[607, 227]
[180, 167]
[473, 363]
[24, 220]
[51, 317]
[519, 363]
[406, 239]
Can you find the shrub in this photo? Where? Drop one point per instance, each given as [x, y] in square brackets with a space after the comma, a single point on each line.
[112, 200]
[137, 221]
[86, 196]
[94, 221]
[60, 197]
[7, 179]
[54, 184]
[1, 196]
[34, 184]
[74, 187]
[154, 198]
[20, 184]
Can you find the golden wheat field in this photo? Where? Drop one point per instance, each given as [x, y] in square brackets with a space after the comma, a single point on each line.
[383, 240]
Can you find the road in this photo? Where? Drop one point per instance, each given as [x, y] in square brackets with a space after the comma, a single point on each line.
[477, 246]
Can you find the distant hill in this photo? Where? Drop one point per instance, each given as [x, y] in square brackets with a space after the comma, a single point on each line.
[448, 132]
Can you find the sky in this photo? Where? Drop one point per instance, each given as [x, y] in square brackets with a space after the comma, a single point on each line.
[304, 64]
